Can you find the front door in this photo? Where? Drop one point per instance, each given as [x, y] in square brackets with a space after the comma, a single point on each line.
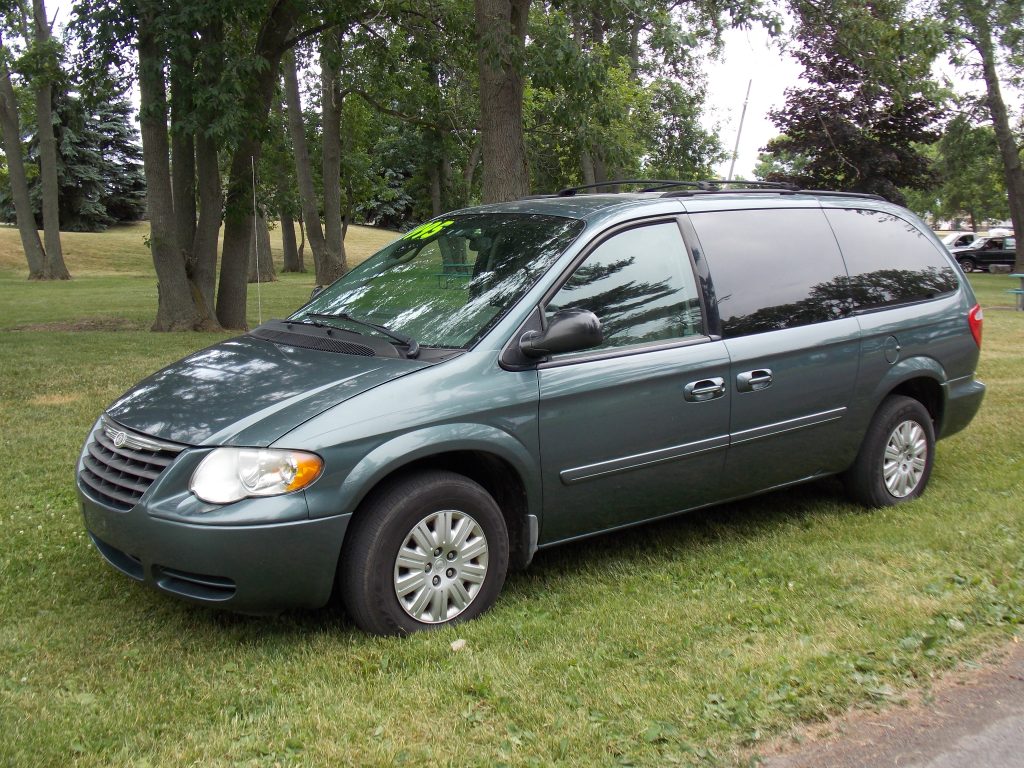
[636, 428]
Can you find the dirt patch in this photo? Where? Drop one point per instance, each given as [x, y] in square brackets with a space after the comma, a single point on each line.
[55, 399]
[932, 730]
[86, 324]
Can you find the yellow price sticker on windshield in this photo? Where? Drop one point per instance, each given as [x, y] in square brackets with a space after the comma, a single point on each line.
[428, 230]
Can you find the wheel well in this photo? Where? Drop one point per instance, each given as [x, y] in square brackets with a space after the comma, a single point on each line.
[927, 392]
[499, 479]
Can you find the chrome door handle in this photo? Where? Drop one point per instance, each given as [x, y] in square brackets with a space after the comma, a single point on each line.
[705, 389]
[752, 381]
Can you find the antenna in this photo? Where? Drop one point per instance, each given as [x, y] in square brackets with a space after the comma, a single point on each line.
[256, 245]
[739, 131]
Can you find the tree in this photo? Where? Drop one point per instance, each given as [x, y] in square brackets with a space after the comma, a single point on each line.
[99, 168]
[992, 30]
[43, 62]
[501, 41]
[869, 104]
[973, 183]
[37, 61]
[10, 126]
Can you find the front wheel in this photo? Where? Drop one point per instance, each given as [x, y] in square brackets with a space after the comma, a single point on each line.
[427, 550]
[895, 459]
[967, 265]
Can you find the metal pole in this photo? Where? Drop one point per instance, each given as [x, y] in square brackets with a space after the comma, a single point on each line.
[739, 131]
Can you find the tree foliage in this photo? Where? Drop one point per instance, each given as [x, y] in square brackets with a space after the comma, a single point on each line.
[869, 103]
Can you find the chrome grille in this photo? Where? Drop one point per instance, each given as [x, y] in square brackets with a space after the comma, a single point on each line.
[119, 466]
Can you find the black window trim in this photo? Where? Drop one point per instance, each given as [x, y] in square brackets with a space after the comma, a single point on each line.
[942, 252]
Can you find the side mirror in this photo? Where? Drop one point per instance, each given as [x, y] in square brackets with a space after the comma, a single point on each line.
[317, 290]
[570, 330]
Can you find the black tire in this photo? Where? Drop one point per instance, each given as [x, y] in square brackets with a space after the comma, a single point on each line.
[370, 573]
[895, 426]
[967, 265]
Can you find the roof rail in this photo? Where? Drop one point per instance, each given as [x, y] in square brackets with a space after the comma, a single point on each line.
[710, 186]
[653, 185]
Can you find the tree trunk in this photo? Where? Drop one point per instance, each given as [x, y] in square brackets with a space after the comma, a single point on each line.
[500, 39]
[207, 231]
[54, 267]
[11, 129]
[470, 172]
[292, 262]
[1008, 151]
[258, 97]
[587, 166]
[261, 261]
[304, 171]
[434, 171]
[331, 119]
[302, 246]
[183, 161]
[176, 309]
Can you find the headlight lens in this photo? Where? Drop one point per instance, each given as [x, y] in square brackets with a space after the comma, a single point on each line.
[232, 474]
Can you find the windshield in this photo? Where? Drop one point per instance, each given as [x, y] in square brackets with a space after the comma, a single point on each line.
[448, 281]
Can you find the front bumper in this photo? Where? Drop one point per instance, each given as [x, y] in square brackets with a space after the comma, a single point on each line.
[259, 568]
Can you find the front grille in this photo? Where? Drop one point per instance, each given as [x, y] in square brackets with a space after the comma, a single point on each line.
[119, 465]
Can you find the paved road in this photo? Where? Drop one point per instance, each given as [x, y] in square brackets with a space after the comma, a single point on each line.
[977, 722]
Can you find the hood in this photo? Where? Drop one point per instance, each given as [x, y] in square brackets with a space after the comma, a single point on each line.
[248, 391]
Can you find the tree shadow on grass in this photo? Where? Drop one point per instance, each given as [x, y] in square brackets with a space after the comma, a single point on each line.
[663, 540]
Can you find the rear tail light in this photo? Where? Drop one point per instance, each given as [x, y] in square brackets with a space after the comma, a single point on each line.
[974, 319]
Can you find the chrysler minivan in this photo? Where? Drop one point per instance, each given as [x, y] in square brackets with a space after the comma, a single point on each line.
[514, 376]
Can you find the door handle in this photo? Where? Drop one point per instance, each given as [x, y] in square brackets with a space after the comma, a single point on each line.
[752, 381]
[705, 389]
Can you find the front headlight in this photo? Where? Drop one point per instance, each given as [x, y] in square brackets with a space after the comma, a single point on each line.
[232, 474]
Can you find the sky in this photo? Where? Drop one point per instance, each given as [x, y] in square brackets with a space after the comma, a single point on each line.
[747, 58]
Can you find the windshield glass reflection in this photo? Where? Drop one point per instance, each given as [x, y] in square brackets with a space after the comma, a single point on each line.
[447, 282]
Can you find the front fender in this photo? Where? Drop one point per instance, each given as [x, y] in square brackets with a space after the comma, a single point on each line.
[431, 441]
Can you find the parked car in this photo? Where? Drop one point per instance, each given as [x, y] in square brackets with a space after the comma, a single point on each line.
[987, 251]
[959, 239]
[598, 361]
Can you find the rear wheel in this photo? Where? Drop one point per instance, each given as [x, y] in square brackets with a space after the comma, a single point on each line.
[967, 265]
[895, 459]
[427, 550]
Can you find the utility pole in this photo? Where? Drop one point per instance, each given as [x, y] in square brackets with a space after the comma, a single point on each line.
[739, 131]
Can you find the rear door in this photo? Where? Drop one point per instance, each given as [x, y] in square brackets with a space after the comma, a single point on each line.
[781, 291]
[638, 427]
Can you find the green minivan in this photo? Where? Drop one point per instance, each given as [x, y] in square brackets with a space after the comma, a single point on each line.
[515, 376]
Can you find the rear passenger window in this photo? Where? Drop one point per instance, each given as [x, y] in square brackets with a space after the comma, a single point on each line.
[890, 261]
[640, 285]
[772, 269]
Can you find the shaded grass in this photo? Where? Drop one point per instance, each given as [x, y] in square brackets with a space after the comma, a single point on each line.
[686, 642]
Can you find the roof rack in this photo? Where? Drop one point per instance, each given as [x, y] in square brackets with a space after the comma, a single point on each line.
[711, 186]
[652, 185]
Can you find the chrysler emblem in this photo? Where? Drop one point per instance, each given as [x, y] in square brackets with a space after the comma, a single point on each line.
[119, 439]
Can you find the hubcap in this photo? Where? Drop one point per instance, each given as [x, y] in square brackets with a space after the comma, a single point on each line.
[905, 456]
[441, 566]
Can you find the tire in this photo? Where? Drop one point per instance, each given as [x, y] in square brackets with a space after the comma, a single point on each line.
[895, 460]
[392, 584]
[967, 265]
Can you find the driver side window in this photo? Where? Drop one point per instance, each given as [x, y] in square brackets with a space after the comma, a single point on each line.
[640, 285]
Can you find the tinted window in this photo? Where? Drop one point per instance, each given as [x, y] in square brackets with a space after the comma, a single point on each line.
[639, 283]
[889, 259]
[772, 269]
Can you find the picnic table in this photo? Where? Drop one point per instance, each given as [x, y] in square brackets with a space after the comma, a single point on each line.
[1018, 292]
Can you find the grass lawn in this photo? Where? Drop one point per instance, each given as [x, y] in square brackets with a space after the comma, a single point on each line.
[688, 642]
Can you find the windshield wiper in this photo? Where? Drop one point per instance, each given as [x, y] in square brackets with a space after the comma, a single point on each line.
[413, 347]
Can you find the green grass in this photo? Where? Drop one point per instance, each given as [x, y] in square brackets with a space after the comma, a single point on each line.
[688, 642]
